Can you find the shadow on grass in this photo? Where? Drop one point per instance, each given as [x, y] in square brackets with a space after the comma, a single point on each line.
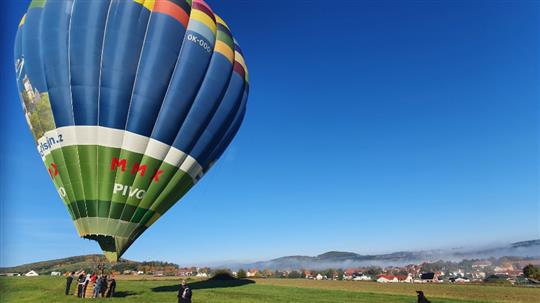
[123, 294]
[205, 285]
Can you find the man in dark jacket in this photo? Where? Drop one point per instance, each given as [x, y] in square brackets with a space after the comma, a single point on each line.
[103, 286]
[421, 297]
[112, 288]
[69, 280]
[184, 293]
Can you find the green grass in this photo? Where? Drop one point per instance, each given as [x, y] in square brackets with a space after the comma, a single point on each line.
[50, 289]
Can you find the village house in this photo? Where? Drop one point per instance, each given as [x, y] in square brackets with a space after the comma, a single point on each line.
[406, 279]
[352, 273]
[362, 278]
[429, 277]
[31, 274]
[387, 279]
[252, 273]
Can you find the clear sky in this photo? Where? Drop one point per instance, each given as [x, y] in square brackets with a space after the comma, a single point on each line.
[372, 126]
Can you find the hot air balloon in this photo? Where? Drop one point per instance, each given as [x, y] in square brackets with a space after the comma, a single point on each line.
[130, 102]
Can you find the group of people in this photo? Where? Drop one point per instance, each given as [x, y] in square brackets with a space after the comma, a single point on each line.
[101, 285]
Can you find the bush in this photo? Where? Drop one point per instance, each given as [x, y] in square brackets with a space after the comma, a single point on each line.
[241, 274]
[530, 271]
[497, 279]
[223, 274]
[295, 275]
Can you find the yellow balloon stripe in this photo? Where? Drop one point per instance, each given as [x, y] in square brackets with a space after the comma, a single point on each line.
[149, 4]
[225, 50]
[220, 21]
[204, 18]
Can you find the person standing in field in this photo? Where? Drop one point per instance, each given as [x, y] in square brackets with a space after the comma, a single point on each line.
[80, 284]
[69, 280]
[184, 293]
[103, 287]
[421, 297]
[86, 282]
[97, 288]
[112, 288]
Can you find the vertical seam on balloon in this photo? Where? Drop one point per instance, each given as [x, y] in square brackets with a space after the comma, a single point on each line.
[98, 108]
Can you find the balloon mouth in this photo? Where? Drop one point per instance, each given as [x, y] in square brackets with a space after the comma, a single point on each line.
[113, 236]
[108, 245]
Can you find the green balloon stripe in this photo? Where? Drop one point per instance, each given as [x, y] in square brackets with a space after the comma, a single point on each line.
[98, 226]
[138, 212]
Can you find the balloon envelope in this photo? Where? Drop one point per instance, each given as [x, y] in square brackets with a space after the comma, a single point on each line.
[130, 102]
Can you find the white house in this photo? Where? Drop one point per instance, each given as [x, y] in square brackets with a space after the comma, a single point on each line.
[408, 279]
[319, 277]
[205, 275]
[387, 279]
[362, 278]
[56, 273]
[31, 274]
[252, 273]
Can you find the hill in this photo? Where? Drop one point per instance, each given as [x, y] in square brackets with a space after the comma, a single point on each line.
[331, 259]
[337, 259]
[88, 263]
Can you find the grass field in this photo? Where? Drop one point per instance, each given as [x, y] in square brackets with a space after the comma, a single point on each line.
[50, 289]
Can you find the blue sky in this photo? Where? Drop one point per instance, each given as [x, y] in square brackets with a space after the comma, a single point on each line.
[371, 127]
